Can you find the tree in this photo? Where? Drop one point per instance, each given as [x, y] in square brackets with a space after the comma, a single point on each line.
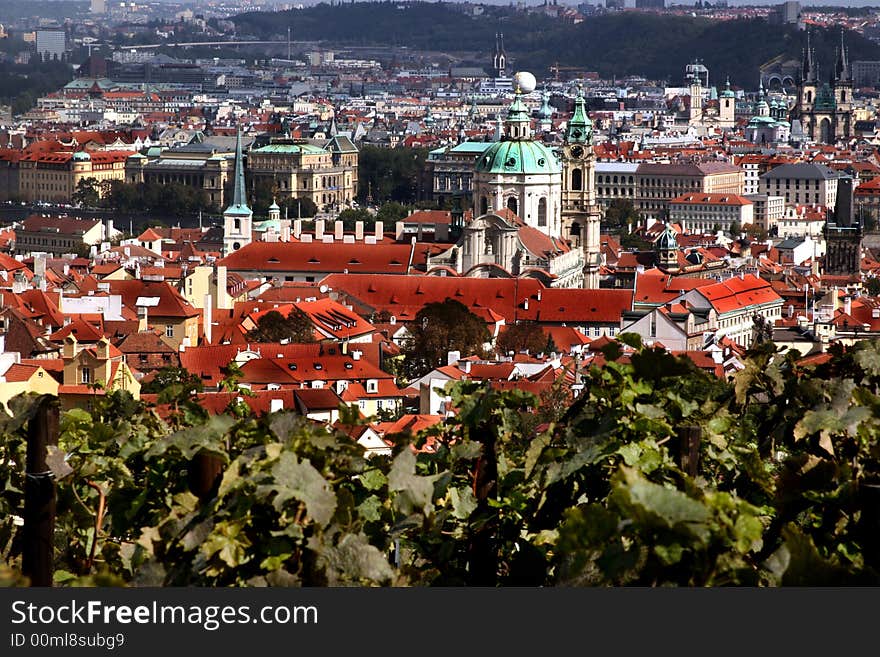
[735, 228]
[522, 336]
[351, 216]
[275, 327]
[872, 285]
[298, 208]
[390, 213]
[441, 327]
[390, 174]
[620, 216]
[184, 382]
[87, 193]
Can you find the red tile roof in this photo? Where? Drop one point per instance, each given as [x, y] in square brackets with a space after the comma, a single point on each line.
[320, 257]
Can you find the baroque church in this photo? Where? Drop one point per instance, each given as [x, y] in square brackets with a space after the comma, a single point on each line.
[534, 209]
[824, 109]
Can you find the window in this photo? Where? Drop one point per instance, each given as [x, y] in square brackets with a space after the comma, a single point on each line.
[542, 210]
[372, 386]
[577, 179]
[169, 331]
[86, 374]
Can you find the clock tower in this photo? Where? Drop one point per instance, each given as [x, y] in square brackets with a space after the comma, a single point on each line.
[580, 214]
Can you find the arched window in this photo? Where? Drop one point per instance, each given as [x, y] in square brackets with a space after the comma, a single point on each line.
[842, 96]
[809, 96]
[513, 205]
[542, 209]
[484, 205]
[615, 180]
[577, 182]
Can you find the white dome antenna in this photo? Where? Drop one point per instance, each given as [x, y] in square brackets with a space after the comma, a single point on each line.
[525, 82]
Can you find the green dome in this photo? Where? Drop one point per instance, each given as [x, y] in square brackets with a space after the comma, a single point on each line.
[667, 240]
[81, 156]
[727, 93]
[518, 157]
[274, 206]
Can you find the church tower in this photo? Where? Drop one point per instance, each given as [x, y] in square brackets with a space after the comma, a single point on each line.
[825, 108]
[842, 84]
[499, 57]
[695, 112]
[807, 85]
[580, 214]
[727, 106]
[666, 249]
[237, 218]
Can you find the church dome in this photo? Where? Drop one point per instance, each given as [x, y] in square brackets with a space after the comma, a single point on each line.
[667, 240]
[518, 157]
[81, 156]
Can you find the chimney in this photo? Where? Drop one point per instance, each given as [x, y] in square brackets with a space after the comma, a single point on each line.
[358, 231]
[847, 304]
[337, 230]
[285, 230]
[465, 366]
[297, 228]
[40, 265]
[380, 231]
[452, 357]
[207, 312]
[319, 230]
[399, 230]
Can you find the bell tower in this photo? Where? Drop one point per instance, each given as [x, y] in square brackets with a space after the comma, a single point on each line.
[580, 214]
[238, 216]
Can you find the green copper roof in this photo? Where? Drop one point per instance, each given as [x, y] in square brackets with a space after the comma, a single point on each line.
[475, 147]
[825, 100]
[667, 240]
[239, 202]
[290, 148]
[580, 128]
[518, 112]
[546, 111]
[517, 157]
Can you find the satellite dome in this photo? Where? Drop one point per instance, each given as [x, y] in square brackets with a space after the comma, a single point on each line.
[525, 82]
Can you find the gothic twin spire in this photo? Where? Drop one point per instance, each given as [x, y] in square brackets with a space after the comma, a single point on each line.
[810, 68]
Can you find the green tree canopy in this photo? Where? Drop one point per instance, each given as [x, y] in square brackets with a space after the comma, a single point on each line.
[522, 336]
[275, 327]
[441, 327]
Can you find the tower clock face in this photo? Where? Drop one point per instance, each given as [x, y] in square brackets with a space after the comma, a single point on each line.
[577, 151]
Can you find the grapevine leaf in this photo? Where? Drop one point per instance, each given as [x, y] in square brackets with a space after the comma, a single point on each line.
[301, 481]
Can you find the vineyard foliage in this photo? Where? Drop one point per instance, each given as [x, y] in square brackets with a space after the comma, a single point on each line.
[786, 490]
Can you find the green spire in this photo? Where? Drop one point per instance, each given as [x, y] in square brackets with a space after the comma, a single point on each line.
[518, 112]
[580, 128]
[239, 203]
[546, 111]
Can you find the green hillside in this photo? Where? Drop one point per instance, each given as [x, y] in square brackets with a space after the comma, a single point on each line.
[629, 43]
